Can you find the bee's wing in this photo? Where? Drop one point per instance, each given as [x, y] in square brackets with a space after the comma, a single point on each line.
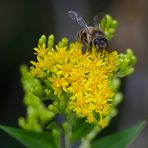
[101, 17]
[77, 18]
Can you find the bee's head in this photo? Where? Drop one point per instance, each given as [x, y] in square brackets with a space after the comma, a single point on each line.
[100, 43]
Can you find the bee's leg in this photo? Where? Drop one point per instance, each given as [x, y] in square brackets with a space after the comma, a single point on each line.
[84, 47]
[97, 47]
[108, 47]
[96, 44]
[90, 47]
[83, 38]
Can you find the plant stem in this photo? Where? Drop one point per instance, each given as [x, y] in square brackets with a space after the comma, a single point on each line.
[67, 136]
[89, 137]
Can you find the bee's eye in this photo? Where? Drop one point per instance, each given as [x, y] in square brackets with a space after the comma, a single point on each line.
[103, 41]
[100, 41]
[96, 41]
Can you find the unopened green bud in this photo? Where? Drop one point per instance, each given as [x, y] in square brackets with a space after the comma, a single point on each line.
[129, 71]
[109, 18]
[107, 34]
[42, 40]
[114, 24]
[55, 103]
[36, 87]
[21, 122]
[50, 42]
[46, 115]
[115, 84]
[65, 126]
[109, 26]
[129, 51]
[55, 133]
[126, 61]
[118, 98]
[112, 30]
[52, 108]
[63, 42]
[134, 60]
[114, 112]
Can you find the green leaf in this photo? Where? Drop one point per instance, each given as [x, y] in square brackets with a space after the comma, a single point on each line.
[30, 139]
[53, 125]
[120, 139]
[81, 129]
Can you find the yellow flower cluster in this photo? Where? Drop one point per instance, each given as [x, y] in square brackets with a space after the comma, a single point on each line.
[85, 76]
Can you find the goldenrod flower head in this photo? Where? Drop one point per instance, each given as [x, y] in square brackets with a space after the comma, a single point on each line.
[84, 77]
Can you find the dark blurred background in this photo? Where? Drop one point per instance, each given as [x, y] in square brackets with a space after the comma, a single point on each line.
[22, 22]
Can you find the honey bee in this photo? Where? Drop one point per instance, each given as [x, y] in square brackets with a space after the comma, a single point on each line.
[90, 35]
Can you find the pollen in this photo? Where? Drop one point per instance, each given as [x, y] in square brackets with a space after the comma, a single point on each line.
[85, 77]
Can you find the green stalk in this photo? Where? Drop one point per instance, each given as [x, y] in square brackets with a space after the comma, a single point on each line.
[67, 132]
[86, 141]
